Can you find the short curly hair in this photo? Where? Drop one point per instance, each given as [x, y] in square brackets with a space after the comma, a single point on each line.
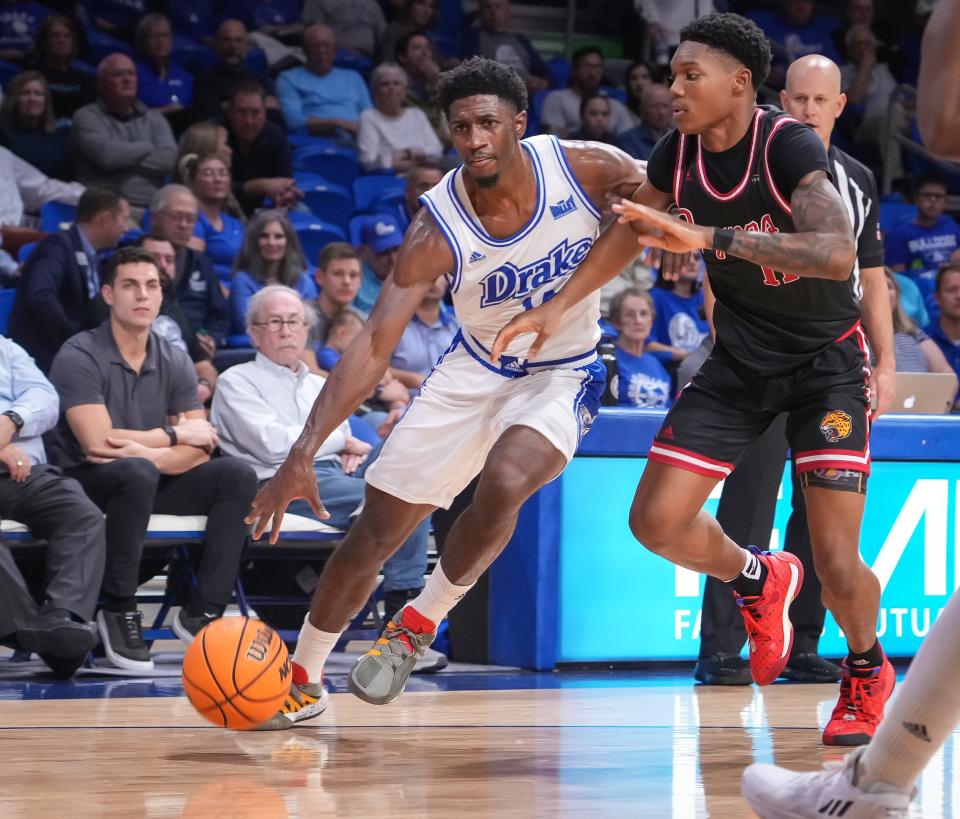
[480, 75]
[736, 36]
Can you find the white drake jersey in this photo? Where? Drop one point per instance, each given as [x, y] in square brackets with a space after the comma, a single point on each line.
[494, 279]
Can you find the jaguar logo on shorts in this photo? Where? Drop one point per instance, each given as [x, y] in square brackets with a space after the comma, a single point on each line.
[836, 425]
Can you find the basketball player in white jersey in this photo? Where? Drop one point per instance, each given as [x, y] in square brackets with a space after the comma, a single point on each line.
[877, 782]
[509, 226]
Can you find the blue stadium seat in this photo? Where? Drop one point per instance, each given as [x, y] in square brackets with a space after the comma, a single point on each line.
[297, 141]
[330, 203]
[100, 45]
[337, 165]
[55, 216]
[316, 235]
[893, 213]
[7, 72]
[368, 189]
[192, 55]
[6, 305]
[353, 61]
[25, 250]
[560, 70]
[449, 18]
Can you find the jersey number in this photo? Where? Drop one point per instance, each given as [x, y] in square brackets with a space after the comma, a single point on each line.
[545, 297]
[769, 274]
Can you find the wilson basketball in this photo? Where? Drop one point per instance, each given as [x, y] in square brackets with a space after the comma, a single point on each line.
[236, 672]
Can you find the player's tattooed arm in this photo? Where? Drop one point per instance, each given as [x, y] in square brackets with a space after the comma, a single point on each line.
[823, 246]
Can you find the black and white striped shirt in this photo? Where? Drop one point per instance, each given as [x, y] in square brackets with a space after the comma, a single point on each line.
[858, 189]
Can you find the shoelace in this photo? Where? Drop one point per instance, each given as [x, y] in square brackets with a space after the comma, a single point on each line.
[859, 693]
[410, 641]
[297, 699]
[131, 624]
[751, 615]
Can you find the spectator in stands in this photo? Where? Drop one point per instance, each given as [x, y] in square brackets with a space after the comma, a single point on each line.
[211, 89]
[163, 85]
[656, 119]
[946, 331]
[271, 254]
[135, 436]
[338, 276]
[59, 287]
[24, 189]
[278, 18]
[641, 379]
[639, 75]
[679, 326]
[196, 288]
[54, 54]
[914, 350]
[925, 242]
[414, 54]
[219, 219]
[422, 177]
[56, 510]
[118, 141]
[358, 25]
[795, 31]
[115, 17]
[912, 300]
[380, 240]
[493, 38]
[202, 139]
[393, 135]
[425, 339]
[19, 25]
[320, 98]
[665, 18]
[28, 128]
[413, 15]
[261, 407]
[561, 108]
[594, 120]
[262, 165]
[172, 324]
[868, 84]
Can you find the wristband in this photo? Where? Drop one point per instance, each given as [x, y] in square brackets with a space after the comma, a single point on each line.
[722, 238]
[172, 433]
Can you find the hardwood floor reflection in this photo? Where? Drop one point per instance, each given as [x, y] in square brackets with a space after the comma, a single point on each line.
[658, 750]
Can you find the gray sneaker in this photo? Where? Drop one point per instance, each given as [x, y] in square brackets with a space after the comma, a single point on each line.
[431, 661]
[380, 675]
[305, 701]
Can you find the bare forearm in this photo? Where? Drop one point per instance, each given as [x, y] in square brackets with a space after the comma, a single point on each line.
[154, 438]
[175, 460]
[877, 317]
[940, 81]
[813, 254]
[359, 370]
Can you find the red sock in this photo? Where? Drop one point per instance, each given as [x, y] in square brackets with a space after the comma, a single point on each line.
[299, 673]
[413, 620]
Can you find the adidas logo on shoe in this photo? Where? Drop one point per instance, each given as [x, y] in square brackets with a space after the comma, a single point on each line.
[836, 807]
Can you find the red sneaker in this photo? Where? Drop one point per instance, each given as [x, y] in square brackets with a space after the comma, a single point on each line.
[767, 617]
[860, 708]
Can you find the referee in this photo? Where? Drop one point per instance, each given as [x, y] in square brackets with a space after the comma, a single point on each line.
[812, 95]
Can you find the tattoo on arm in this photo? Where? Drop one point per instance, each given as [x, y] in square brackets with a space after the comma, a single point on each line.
[823, 246]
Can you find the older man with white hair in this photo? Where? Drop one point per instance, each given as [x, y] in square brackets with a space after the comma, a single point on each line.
[120, 143]
[259, 410]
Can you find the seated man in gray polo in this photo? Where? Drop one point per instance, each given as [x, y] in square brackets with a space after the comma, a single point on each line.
[133, 433]
[260, 408]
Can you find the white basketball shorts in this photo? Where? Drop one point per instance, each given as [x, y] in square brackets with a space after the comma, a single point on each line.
[464, 406]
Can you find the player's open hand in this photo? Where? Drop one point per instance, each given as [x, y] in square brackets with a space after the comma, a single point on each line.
[294, 479]
[661, 230]
[543, 321]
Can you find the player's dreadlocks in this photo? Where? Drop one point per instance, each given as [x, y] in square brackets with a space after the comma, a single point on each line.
[737, 36]
[480, 75]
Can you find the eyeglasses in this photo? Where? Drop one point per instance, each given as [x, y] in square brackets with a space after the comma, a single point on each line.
[931, 195]
[215, 173]
[274, 325]
[179, 216]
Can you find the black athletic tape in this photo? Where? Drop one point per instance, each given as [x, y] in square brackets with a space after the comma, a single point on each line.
[843, 480]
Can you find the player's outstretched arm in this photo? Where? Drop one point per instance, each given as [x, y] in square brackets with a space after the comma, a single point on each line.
[823, 246]
[424, 257]
[938, 99]
[604, 172]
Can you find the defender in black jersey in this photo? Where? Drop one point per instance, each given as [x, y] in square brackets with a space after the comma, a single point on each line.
[751, 187]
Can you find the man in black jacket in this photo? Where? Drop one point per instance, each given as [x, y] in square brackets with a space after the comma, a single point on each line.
[58, 288]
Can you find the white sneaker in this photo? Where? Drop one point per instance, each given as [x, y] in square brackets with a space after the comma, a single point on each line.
[776, 793]
[431, 661]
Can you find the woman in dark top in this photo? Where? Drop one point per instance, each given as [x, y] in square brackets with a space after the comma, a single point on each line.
[27, 127]
[55, 53]
[595, 120]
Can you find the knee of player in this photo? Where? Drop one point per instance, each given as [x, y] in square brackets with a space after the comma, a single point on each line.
[839, 569]
[652, 526]
[503, 490]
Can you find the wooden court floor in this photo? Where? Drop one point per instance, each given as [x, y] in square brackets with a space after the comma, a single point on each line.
[626, 745]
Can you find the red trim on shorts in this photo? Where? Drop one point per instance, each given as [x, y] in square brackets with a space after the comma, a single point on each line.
[690, 461]
[833, 459]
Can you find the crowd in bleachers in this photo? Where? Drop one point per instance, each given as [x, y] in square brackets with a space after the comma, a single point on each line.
[270, 153]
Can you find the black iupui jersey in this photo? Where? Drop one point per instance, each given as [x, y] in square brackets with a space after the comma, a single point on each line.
[769, 321]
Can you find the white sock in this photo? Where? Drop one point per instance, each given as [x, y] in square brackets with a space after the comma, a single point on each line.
[438, 596]
[313, 648]
[924, 711]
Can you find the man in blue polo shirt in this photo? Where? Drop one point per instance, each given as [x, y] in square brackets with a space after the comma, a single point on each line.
[319, 98]
[427, 336]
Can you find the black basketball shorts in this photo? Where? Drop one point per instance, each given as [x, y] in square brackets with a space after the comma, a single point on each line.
[726, 407]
